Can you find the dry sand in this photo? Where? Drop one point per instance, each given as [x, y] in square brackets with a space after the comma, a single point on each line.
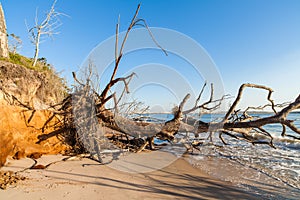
[86, 179]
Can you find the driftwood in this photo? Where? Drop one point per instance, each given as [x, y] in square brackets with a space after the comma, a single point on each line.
[81, 120]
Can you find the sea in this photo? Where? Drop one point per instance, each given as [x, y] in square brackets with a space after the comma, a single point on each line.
[271, 173]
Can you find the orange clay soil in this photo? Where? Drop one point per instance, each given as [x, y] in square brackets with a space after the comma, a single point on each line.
[18, 137]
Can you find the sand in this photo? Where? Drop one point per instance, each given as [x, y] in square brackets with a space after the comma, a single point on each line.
[135, 177]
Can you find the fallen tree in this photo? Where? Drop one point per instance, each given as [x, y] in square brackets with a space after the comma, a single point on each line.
[90, 125]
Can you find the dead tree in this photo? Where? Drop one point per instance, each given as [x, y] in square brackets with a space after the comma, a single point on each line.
[136, 135]
[244, 127]
[48, 27]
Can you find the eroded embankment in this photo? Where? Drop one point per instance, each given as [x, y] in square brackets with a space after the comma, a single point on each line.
[24, 97]
[18, 137]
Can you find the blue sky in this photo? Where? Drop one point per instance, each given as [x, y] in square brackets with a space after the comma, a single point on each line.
[255, 41]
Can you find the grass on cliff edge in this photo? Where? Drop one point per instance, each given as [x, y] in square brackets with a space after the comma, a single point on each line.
[53, 83]
[27, 62]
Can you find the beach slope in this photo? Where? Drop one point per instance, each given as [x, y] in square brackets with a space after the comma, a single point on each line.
[86, 179]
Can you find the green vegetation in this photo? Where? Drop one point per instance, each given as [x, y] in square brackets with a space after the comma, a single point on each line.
[52, 85]
[18, 59]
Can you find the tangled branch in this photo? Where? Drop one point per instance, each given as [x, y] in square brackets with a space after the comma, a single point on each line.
[98, 124]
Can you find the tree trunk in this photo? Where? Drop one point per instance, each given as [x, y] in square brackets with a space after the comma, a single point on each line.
[37, 48]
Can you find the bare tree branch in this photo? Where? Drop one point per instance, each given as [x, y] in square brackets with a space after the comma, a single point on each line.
[231, 109]
[119, 55]
[47, 27]
[138, 133]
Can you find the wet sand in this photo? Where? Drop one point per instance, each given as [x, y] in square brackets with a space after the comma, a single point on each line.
[86, 179]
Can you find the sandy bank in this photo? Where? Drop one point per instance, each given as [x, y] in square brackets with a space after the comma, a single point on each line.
[86, 179]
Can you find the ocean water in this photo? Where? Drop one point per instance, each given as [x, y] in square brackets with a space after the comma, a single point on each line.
[260, 169]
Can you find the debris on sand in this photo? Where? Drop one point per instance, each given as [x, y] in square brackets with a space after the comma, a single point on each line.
[9, 178]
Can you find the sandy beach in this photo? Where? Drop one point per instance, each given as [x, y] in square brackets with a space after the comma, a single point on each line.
[82, 178]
